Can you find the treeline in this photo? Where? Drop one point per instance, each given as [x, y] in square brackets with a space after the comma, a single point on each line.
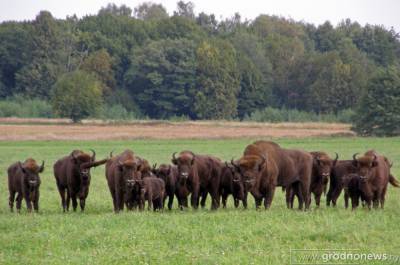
[153, 64]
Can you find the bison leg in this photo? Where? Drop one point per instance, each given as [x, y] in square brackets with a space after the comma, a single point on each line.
[236, 202]
[346, 199]
[258, 202]
[19, 202]
[245, 200]
[28, 201]
[74, 202]
[317, 197]
[194, 199]
[82, 204]
[382, 198]
[36, 201]
[289, 197]
[203, 199]
[11, 200]
[62, 195]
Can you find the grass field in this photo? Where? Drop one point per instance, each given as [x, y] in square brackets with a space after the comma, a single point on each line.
[227, 236]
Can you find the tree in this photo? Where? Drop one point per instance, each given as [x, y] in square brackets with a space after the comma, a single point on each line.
[379, 110]
[217, 81]
[150, 11]
[185, 9]
[162, 77]
[76, 95]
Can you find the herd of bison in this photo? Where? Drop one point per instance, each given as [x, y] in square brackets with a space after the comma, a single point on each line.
[263, 166]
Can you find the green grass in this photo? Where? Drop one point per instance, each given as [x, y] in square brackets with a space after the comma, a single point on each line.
[228, 236]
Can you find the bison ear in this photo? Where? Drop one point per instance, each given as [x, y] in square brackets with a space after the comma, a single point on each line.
[355, 163]
[374, 163]
[192, 161]
[174, 161]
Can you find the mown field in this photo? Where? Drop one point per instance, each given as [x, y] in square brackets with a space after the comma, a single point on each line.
[227, 236]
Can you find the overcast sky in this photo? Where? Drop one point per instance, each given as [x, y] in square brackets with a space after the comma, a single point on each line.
[382, 12]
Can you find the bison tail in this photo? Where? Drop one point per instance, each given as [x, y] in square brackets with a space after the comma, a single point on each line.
[394, 181]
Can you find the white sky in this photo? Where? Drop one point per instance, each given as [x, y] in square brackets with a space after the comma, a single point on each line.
[382, 12]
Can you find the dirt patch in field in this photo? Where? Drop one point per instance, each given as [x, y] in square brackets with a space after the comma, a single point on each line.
[13, 130]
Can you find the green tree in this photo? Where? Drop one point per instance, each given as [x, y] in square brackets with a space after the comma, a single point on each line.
[76, 95]
[150, 11]
[162, 77]
[379, 110]
[217, 81]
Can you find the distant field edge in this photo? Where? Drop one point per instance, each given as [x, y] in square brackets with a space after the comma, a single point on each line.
[15, 129]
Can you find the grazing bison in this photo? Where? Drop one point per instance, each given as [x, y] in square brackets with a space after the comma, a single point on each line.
[72, 175]
[23, 178]
[152, 190]
[357, 187]
[123, 173]
[231, 183]
[265, 165]
[169, 174]
[339, 171]
[201, 175]
[321, 170]
[375, 169]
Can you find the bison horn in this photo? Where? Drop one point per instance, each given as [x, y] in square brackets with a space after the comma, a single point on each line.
[354, 156]
[111, 153]
[263, 159]
[93, 154]
[173, 155]
[155, 166]
[336, 157]
[120, 163]
[41, 168]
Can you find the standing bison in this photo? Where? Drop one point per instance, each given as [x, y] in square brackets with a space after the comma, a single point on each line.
[200, 174]
[72, 175]
[123, 173]
[375, 170]
[169, 174]
[321, 170]
[265, 165]
[152, 189]
[231, 183]
[23, 178]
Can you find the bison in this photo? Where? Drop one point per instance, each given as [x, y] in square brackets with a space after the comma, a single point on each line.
[152, 190]
[265, 165]
[231, 183]
[357, 187]
[321, 170]
[339, 170]
[200, 174]
[72, 175]
[123, 173]
[375, 169]
[23, 178]
[169, 174]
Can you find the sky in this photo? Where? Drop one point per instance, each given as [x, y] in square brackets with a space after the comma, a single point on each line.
[378, 12]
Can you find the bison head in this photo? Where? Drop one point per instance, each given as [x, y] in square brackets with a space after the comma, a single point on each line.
[130, 171]
[31, 173]
[163, 172]
[323, 165]
[365, 164]
[184, 162]
[84, 162]
[250, 168]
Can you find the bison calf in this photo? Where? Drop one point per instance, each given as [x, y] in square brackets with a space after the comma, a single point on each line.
[357, 187]
[152, 190]
[169, 174]
[23, 178]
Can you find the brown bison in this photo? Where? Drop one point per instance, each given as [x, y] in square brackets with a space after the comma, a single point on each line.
[152, 190]
[201, 175]
[123, 173]
[374, 168]
[357, 187]
[265, 165]
[231, 184]
[169, 174]
[336, 181]
[23, 178]
[321, 170]
[72, 175]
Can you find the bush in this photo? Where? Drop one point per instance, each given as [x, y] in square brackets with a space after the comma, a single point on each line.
[25, 108]
[290, 115]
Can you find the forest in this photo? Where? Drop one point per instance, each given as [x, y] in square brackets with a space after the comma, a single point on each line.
[144, 62]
